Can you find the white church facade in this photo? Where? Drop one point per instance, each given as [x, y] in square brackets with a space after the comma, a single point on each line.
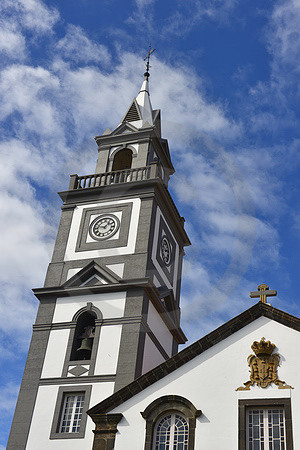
[103, 370]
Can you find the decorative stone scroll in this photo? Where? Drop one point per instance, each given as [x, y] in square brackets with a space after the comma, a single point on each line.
[263, 366]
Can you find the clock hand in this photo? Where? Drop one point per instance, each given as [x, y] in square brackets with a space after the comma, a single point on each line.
[105, 227]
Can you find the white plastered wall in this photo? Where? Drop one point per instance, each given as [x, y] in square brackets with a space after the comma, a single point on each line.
[43, 416]
[152, 356]
[55, 353]
[159, 329]
[210, 380]
[108, 350]
[111, 305]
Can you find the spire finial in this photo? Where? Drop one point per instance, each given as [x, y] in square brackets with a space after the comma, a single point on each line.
[147, 59]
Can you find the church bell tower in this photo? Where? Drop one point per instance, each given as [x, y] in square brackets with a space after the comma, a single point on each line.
[109, 309]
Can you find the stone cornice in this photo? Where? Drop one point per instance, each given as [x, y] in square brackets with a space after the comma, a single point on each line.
[144, 284]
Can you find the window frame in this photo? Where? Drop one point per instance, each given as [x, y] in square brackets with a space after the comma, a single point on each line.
[284, 403]
[165, 405]
[58, 411]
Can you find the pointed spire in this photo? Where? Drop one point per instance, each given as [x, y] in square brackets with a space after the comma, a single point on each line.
[144, 103]
[140, 112]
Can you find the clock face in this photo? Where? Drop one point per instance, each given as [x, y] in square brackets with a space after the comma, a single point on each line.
[104, 227]
[166, 250]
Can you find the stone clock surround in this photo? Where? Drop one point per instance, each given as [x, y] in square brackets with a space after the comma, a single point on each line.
[80, 245]
[121, 241]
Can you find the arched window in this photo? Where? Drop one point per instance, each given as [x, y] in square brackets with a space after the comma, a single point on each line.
[122, 159]
[83, 336]
[170, 423]
[171, 432]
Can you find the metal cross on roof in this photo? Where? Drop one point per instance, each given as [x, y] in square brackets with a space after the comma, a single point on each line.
[263, 292]
[150, 51]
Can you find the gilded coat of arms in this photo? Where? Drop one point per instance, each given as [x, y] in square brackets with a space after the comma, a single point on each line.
[263, 366]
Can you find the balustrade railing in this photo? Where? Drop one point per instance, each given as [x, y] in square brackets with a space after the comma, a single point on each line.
[116, 177]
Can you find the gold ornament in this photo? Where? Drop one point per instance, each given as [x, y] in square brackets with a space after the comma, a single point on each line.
[263, 366]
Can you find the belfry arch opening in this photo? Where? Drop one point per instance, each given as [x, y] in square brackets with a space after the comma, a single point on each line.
[83, 337]
[122, 159]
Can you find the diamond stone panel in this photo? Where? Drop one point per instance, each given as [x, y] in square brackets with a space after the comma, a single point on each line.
[77, 371]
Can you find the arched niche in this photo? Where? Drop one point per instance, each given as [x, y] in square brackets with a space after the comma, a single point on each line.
[84, 333]
[122, 159]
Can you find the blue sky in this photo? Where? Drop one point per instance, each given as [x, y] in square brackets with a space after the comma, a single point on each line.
[225, 74]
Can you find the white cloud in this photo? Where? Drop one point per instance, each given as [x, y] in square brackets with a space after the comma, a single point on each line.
[25, 90]
[23, 240]
[232, 199]
[272, 102]
[15, 296]
[183, 16]
[101, 98]
[18, 161]
[191, 12]
[79, 48]
[180, 91]
[207, 301]
[25, 231]
[30, 14]
[18, 17]
[12, 41]
[283, 33]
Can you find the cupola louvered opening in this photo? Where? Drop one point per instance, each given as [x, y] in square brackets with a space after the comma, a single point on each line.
[132, 114]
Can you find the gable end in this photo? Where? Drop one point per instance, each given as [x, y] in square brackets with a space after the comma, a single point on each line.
[195, 349]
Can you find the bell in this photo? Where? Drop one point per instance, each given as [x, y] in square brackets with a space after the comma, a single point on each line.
[86, 345]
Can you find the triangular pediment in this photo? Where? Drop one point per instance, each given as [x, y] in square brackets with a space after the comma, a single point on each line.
[124, 128]
[91, 275]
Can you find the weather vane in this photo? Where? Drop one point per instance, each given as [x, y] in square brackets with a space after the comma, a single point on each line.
[147, 59]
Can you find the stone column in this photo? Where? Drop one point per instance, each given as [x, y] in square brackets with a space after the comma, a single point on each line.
[106, 429]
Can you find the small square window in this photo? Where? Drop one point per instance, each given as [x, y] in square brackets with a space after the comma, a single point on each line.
[70, 417]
